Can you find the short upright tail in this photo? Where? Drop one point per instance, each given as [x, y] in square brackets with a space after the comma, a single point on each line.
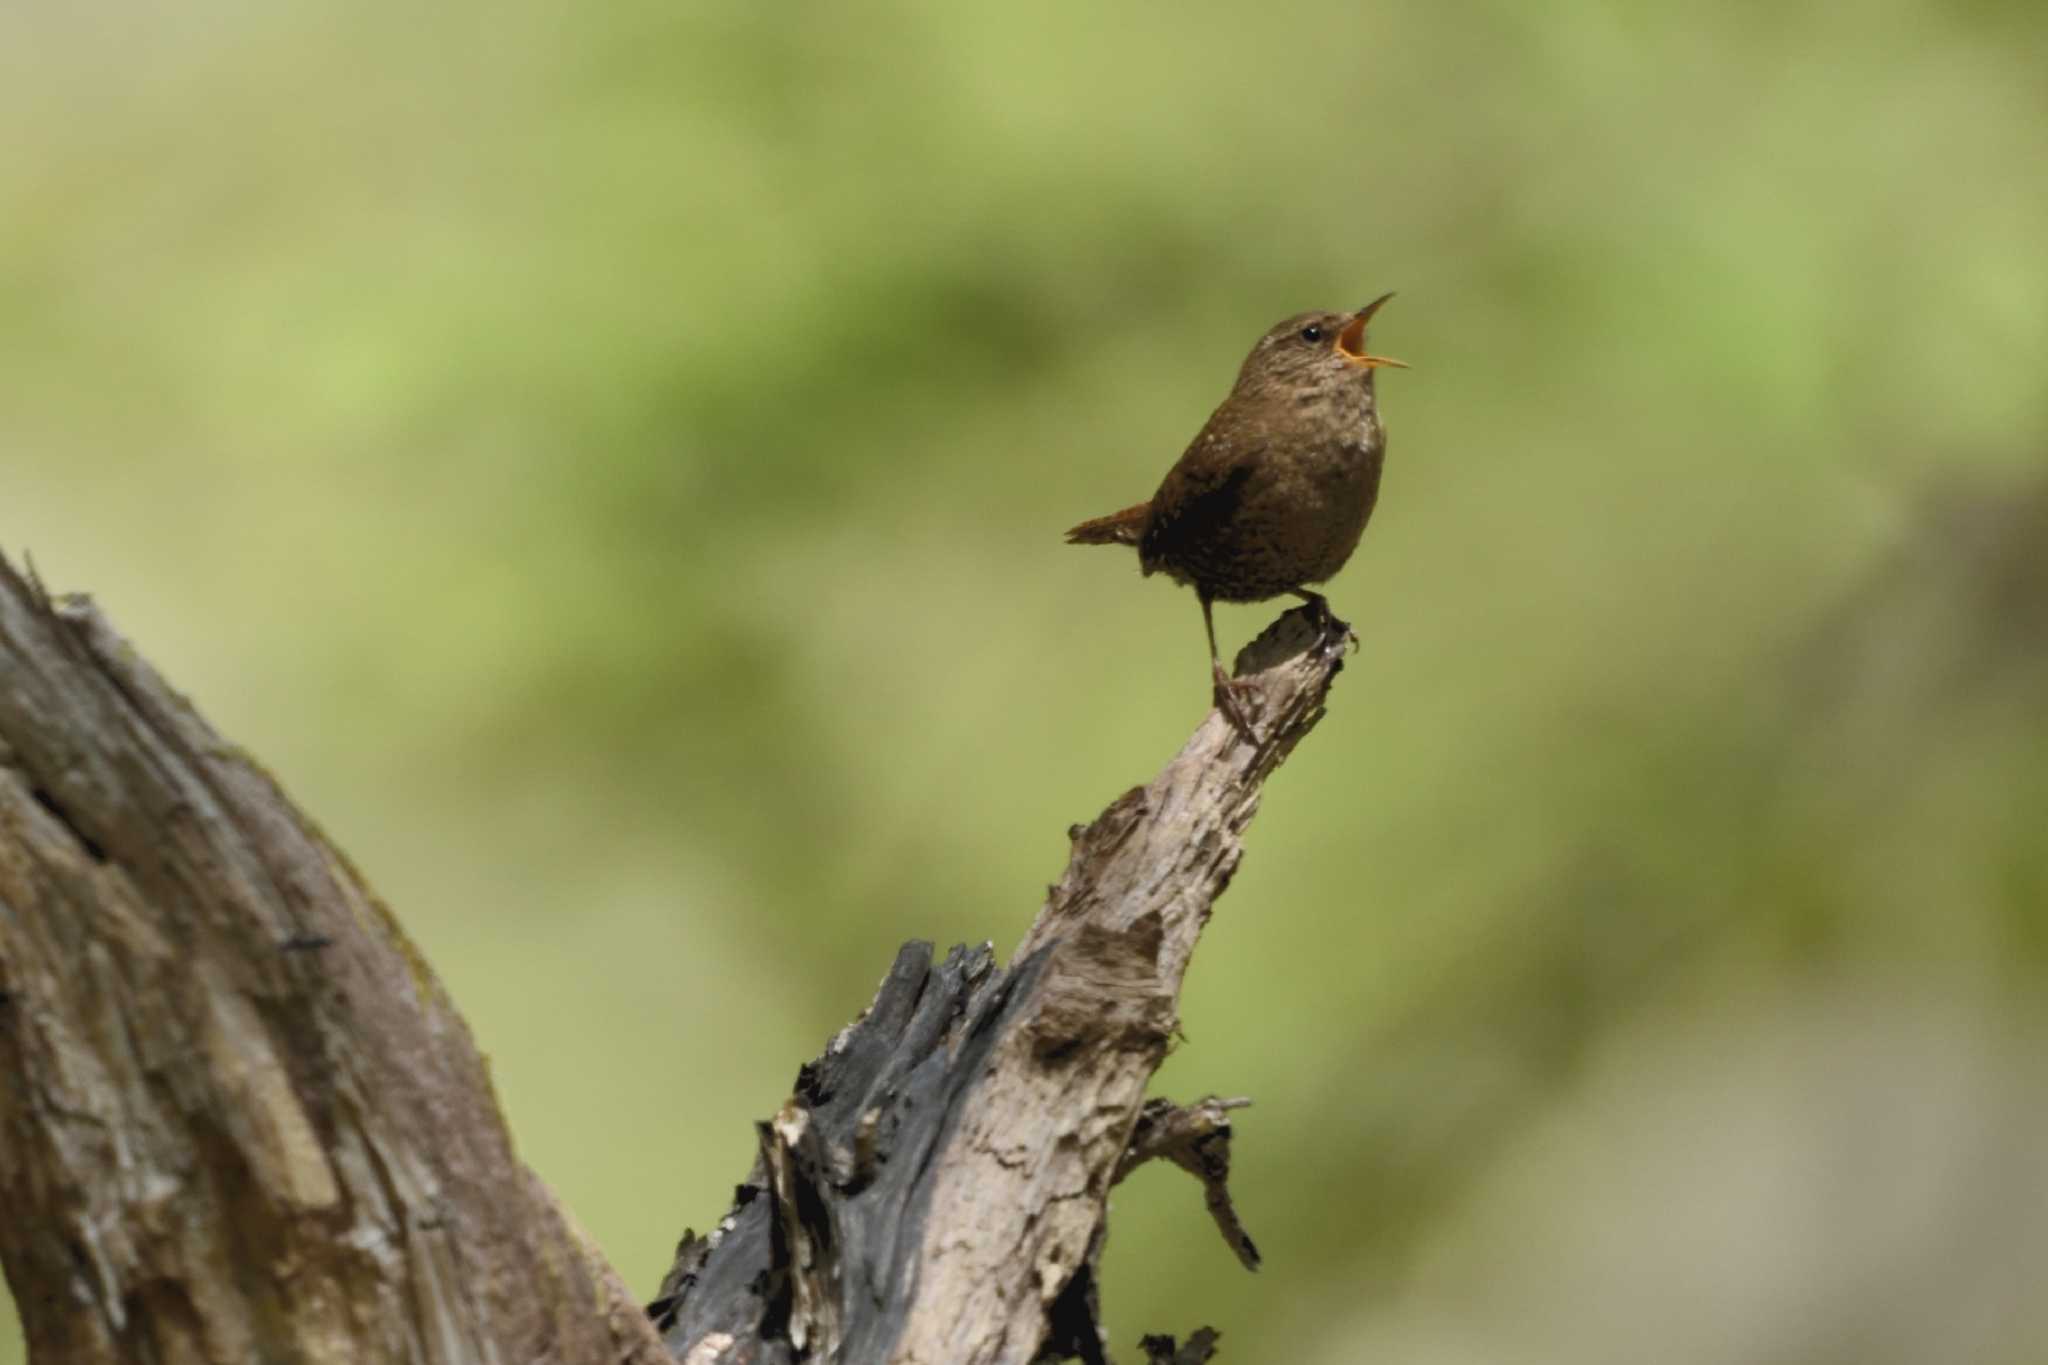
[1118, 528]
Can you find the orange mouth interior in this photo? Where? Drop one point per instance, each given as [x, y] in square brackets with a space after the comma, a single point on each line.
[1351, 341]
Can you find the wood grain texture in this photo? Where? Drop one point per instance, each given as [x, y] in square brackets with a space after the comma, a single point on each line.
[239, 1117]
[934, 1191]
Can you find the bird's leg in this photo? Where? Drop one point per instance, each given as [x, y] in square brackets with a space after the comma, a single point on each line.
[1327, 621]
[1227, 689]
[1318, 604]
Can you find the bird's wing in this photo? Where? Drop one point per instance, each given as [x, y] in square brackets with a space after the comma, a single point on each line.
[1198, 499]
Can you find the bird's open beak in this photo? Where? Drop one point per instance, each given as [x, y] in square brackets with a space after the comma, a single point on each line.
[1351, 340]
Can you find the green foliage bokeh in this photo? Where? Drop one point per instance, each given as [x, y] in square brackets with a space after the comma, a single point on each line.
[609, 461]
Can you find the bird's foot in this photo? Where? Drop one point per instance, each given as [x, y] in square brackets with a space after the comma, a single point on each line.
[1319, 609]
[1337, 634]
[1338, 639]
[1230, 696]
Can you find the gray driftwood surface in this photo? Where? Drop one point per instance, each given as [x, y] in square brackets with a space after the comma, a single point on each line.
[241, 1120]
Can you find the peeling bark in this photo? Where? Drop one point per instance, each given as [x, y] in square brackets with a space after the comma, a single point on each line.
[1200, 1347]
[239, 1118]
[934, 1192]
[1196, 1138]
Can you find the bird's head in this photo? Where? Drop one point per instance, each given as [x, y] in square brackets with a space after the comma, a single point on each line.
[1313, 353]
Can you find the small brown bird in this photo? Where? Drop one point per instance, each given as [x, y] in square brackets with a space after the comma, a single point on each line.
[1276, 490]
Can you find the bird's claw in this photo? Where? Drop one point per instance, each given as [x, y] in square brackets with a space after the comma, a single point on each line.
[1336, 634]
[1338, 639]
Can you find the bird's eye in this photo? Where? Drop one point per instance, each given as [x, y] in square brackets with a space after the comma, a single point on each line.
[1312, 333]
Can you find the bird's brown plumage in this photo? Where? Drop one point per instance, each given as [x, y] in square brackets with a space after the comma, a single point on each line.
[1118, 528]
[1274, 492]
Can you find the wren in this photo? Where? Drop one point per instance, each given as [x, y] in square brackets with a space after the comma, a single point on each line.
[1274, 493]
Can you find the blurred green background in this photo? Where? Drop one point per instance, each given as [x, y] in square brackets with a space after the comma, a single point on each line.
[610, 461]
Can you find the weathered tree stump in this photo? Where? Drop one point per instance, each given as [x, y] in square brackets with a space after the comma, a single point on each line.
[239, 1118]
